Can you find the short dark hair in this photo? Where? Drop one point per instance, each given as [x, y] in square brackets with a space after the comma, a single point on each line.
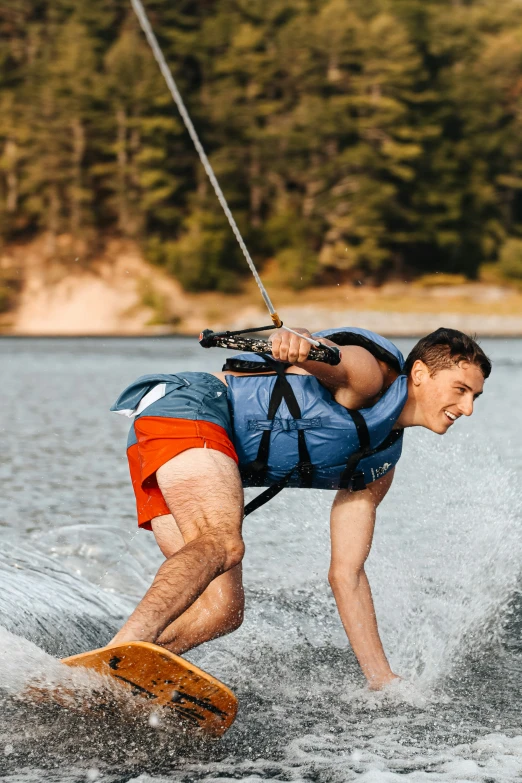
[444, 348]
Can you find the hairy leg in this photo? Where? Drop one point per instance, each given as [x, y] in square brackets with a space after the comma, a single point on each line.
[217, 611]
[203, 491]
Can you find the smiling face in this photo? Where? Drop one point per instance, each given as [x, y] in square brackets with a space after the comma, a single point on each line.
[444, 396]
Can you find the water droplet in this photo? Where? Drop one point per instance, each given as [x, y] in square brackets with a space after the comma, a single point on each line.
[154, 720]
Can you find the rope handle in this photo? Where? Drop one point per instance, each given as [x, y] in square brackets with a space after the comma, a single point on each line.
[327, 354]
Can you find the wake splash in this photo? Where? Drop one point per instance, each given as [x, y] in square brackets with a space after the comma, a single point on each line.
[447, 589]
[23, 662]
[32, 676]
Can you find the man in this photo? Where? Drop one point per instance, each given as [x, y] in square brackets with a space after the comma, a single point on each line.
[198, 438]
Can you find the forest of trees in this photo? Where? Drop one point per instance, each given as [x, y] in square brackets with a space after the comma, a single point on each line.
[368, 138]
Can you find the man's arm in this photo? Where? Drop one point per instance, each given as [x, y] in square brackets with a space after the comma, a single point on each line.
[358, 375]
[352, 523]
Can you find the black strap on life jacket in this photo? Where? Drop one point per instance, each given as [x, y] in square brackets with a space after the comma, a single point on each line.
[351, 478]
[376, 350]
[269, 493]
[244, 365]
[255, 471]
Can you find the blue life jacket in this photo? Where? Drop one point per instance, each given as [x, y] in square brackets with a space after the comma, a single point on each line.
[289, 431]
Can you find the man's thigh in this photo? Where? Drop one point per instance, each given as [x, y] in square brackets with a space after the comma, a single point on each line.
[167, 534]
[203, 490]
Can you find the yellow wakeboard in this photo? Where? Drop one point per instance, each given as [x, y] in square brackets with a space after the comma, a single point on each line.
[165, 680]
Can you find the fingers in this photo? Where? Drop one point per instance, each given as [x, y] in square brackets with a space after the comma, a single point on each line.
[288, 347]
[276, 340]
[295, 349]
[302, 348]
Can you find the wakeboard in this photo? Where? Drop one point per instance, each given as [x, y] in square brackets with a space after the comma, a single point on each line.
[202, 703]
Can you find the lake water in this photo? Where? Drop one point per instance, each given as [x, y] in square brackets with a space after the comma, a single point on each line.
[445, 571]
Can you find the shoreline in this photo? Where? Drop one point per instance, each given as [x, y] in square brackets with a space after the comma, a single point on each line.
[504, 332]
[388, 323]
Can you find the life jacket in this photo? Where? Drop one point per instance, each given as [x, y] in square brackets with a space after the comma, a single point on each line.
[289, 431]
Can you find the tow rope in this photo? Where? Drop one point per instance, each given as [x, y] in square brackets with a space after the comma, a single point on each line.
[178, 100]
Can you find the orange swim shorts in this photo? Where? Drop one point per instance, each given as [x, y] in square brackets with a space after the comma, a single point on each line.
[159, 439]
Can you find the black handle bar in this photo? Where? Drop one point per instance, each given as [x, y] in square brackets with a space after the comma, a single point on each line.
[209, 339]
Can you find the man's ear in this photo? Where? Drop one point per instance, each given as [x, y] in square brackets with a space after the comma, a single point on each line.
[419, 371]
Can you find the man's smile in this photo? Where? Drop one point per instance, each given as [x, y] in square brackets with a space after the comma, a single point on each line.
[451, 416]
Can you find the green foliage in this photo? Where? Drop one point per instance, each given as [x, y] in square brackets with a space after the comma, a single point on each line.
[157, 302]
[290, 237]
[10, 286]
[511, 258]
[351, 138]
[197, 257]
[436, 280]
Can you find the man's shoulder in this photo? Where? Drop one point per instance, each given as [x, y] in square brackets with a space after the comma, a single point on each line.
[364, 373]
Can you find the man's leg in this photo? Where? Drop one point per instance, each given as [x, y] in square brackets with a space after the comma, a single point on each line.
[203, 491]
[218, 610]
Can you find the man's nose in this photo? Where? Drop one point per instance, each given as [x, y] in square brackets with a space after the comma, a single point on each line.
[466, 406]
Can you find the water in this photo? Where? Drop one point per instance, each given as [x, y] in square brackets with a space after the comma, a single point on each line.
[445, 572]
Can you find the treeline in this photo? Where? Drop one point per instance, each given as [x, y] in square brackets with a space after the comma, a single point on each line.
[353, 138]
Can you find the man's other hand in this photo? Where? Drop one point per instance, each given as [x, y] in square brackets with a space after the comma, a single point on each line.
[378, 683]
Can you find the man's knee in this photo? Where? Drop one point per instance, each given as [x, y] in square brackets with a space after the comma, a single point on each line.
[235, 618]
[234, 548]
[223, 546]
[231, 612]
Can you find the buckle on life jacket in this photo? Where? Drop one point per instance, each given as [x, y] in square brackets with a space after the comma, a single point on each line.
[283, 425]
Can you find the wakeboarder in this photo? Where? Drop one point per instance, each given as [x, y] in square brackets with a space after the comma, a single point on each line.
[197, 439]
